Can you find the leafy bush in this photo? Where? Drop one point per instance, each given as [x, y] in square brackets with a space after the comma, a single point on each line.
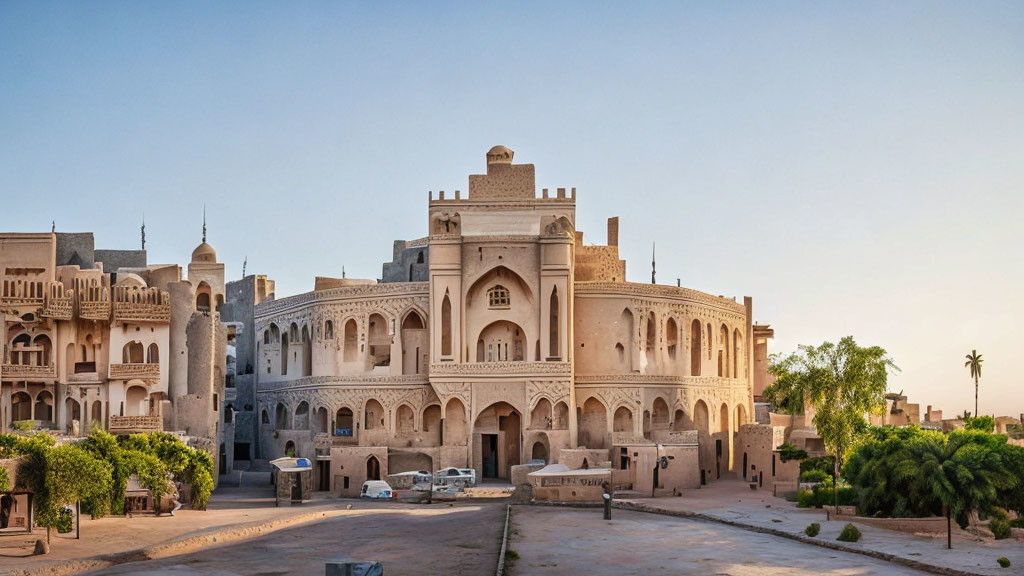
[980, 423]
[65, 520]
[1004, 562]
[805, 499]
[24, 425]
[789, 452]
[822, 495]
[5, 480]
[812, 529]
[814, 476]
[849, 534]
[1017, 523]
[1000, 528]
[824, 463]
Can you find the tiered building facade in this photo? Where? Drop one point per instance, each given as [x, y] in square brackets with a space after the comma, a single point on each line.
[499, 339]
[100, 337]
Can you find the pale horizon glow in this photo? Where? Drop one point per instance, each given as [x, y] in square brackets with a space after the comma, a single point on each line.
[855, 168]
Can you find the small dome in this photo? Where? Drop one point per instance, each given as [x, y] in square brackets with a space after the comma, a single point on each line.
[130, 279]
[499, 155]
[204, 253]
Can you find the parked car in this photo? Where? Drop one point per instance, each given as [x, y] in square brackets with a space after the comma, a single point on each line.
[455, 477]
[376, 490]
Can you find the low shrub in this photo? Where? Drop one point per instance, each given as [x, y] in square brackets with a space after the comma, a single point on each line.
[1000, 528]
[65, 520]
[849, 534]
[812, 529]
[5, 480]
[1004, 562]
[789, 452]
[814, 476]
[1017, 523]
[805, 499]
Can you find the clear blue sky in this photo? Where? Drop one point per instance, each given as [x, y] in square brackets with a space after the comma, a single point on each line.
[857, 168]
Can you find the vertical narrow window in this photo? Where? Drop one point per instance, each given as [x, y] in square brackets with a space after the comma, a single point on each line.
[446, 326]
[553, 331]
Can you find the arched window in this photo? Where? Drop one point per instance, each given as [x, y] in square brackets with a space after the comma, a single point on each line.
[203, 302]
[266, 336]
[497, 297]
[329, 330]
[555, 344]
[695, 346]
[446, 326]
[153, 354]
[132, 353]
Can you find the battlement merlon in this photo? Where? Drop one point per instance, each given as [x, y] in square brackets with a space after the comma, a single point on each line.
[504, 182]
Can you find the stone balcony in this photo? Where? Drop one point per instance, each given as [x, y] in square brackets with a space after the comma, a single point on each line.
[134, 424]
[58, 308]
[142, 312]
[132, 371]
[27, 372]
[450, 370]
[94, 310]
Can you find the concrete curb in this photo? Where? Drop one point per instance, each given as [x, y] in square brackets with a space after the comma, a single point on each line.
[504, 542]
[799, 538]
[185, 545]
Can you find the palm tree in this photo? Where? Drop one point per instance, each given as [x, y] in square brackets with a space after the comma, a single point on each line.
[958, 474]
[974, 363]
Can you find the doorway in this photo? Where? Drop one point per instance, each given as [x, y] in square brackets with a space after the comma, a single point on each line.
[372, 468]
[323, 473]
[490, 455]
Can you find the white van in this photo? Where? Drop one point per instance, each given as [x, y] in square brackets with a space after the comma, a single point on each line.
[376, 489]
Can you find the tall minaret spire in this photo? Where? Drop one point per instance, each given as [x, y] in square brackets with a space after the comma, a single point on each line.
[204, 223]
[143, 230]
[652, 263]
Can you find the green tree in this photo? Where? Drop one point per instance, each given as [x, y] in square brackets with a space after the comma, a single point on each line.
[960, 473]
[974, 362]
[843, 382]
[72, 475]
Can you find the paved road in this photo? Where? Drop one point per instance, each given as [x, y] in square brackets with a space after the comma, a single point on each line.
[566, 541]
[438, 539]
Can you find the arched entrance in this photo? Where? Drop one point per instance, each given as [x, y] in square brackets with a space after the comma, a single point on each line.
[372, 468]
[74, 415]
[540, 448]
[497, 431]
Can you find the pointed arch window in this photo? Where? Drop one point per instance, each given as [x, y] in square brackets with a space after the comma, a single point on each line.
[498, 297]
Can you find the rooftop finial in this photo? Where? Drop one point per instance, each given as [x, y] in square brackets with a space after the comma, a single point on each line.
[143, 230]
[343, 271]
[652, 263]
[244, 262]
[204, 223]
[53, 226]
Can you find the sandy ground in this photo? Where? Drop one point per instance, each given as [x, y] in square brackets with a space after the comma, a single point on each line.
[733, 500]
[578, 541]
[461, 538]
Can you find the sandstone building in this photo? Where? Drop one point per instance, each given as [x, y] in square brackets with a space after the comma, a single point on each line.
[101, 337]
[498, 339]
